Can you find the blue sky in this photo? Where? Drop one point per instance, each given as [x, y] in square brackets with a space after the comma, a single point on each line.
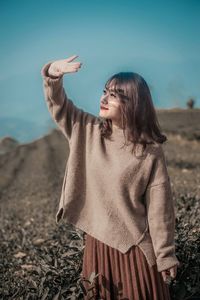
[158, 39]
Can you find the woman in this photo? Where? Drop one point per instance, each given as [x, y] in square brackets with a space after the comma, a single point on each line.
[116, 186]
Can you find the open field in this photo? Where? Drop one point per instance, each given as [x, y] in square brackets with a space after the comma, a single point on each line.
[30, 184]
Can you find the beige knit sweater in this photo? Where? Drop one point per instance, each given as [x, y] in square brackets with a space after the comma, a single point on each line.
[117, 197]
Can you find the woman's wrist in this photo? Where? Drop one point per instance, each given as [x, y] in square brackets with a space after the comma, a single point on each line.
[52, 76]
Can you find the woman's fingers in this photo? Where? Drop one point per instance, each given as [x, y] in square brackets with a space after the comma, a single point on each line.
[63, 66]
[71, 58]
[173, 272]
[76, 64]
[169, 274]
[73, 66]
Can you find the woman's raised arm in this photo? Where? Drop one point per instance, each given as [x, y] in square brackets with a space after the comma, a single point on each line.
[63, 111]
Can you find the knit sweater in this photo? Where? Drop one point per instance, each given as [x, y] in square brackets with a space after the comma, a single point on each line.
[120, 198]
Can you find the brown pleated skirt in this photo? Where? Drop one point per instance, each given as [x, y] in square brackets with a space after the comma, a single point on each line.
[121, 276]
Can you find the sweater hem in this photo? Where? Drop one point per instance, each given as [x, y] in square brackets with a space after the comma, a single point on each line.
[147, 250]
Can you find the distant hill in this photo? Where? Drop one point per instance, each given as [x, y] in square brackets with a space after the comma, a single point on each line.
[23, 130]
[184, 122]
[7, 144]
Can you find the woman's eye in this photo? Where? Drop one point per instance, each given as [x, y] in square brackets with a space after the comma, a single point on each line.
[113, 95]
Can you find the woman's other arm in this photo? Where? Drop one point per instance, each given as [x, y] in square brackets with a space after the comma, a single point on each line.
[161, 214]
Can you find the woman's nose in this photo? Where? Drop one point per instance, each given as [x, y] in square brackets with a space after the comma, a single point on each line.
[104, 100]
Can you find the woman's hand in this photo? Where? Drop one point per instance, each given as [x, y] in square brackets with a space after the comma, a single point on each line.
[63, 66]
[171, 272]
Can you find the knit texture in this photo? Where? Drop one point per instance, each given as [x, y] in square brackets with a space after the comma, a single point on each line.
[120, 198]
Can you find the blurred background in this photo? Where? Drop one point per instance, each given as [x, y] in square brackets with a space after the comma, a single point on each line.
[157, 39]
[160, 40]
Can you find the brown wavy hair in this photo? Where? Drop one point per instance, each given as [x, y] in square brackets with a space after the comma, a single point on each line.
[139, 118]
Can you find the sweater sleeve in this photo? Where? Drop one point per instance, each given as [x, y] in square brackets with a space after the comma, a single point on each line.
[62, 109]
[161, 214]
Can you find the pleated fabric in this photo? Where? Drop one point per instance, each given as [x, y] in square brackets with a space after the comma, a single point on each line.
[122, 276]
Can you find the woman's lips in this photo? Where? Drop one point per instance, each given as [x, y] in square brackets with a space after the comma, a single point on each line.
[102, 107]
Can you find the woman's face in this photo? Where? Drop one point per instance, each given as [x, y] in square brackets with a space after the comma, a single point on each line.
[110, 104]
